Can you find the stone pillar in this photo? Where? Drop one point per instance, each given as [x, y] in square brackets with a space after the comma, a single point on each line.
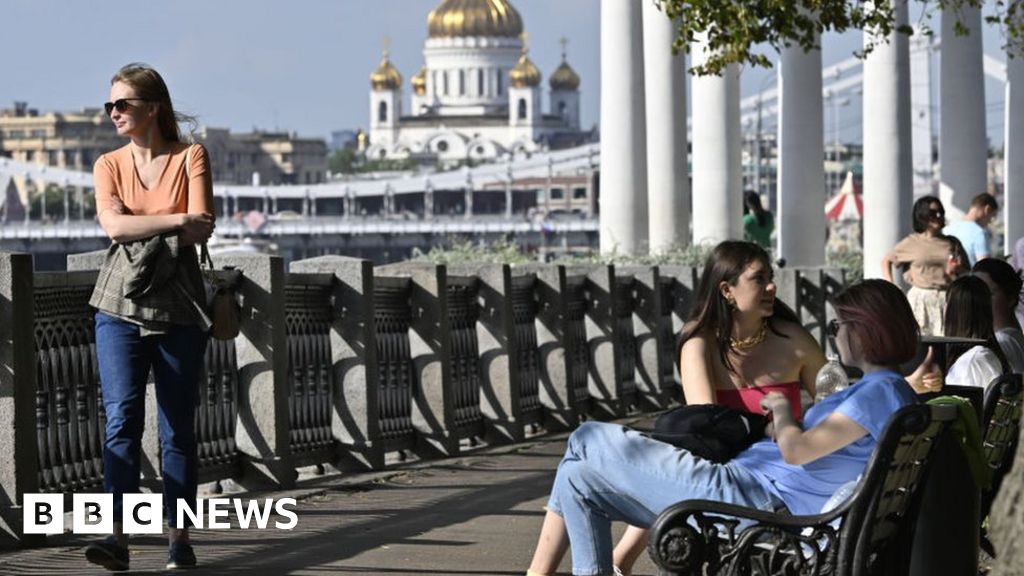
[801, 180]
[355, 416]
[623, 218]
[430, 348]
[668, 184]
[556, 367]
[963, 144]
[717, 206]
[19, 473]
[921, 113]
[262, 433]
[500, 393]
[888, 170]
[1013, 154]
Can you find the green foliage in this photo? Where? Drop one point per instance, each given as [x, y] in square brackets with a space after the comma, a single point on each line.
[850, 260]
[678, 255]
[464, 251]
[733, 28]
[53, 196]
[349, 161]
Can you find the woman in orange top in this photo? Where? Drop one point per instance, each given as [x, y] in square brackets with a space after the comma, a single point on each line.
[740, 344]
[145, 189]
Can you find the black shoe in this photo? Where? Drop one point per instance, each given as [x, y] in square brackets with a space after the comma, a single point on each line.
[181, 556]
[109, 554]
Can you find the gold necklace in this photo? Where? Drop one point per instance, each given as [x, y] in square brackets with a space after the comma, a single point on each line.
[746, 343]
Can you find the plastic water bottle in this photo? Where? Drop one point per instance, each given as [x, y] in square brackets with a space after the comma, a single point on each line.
[830, 379]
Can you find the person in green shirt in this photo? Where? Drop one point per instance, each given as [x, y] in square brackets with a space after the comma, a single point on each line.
[758, 223]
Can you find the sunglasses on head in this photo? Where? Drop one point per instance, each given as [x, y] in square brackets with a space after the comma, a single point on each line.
[121, 104]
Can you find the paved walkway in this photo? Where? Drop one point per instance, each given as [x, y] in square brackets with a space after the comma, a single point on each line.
[477, 514]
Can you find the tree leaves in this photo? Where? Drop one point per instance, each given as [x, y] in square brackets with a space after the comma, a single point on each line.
[732, 28]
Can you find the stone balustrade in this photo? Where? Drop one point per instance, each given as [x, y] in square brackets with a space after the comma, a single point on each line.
[345, 365]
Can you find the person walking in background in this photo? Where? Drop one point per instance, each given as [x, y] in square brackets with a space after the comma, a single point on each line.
[758, 223]
[929, 262]
[154, 199]
[972, 231]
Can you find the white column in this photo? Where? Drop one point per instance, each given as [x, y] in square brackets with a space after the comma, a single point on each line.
[1013, 155]
[963, 146]
[921, 139]
[668, 186]
[623, 140]
[801, 178]
[888, 169]
[717, 206]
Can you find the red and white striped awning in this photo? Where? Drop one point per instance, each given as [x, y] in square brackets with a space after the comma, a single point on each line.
[847, 205]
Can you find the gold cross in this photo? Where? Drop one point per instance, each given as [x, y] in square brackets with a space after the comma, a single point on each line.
[564, 42]
[387, 44]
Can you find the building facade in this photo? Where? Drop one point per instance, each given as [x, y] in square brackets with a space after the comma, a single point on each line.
[478, 95]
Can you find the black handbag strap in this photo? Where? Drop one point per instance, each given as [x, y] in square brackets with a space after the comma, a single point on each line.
[204, 257]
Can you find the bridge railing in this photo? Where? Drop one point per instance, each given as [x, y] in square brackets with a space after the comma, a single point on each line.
[340, 364]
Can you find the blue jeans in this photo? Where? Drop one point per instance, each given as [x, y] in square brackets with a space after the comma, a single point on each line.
[125, 358]
[613, 473]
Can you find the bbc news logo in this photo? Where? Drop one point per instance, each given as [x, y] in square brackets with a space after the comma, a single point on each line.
[143, 513]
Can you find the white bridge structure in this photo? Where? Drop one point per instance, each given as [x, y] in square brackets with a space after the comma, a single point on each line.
[644, 201]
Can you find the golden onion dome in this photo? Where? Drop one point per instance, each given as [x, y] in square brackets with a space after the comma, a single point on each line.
[386, 76]
[564, 77]
[460, 18]
[419, 82]
[525, 73]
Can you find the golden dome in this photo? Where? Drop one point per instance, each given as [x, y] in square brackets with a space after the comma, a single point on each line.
[386, 77]
[419, 82]
[524, 73]
[454, 18]
[564, 78]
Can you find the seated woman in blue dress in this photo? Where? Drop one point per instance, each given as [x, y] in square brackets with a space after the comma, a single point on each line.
[613, 473]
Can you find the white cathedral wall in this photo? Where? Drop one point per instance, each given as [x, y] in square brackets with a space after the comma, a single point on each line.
[493, 56]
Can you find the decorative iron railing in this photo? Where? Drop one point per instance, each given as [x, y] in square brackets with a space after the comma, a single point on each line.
[463, 312]
[309, 312]
[524, 315]
[396, 377]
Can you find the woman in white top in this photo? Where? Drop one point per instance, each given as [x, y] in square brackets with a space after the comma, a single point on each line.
[969, 315]
[1005, 284]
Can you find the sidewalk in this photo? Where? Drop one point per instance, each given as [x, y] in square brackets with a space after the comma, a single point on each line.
[477, 514]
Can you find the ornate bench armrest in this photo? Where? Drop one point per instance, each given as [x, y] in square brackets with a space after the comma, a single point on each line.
[697, 533]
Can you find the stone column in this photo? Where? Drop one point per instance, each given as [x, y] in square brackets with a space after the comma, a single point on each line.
[623, 217]
[1013, 153]
[19, 473]
[717, 208]
[801, 179]
[888, 170]
[262, 432]
[355, 416]
[963, 144]
[668, 184]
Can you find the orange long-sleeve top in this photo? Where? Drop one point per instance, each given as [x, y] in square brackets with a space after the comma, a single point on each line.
[175, 192]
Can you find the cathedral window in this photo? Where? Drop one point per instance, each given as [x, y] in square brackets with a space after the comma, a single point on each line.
[499, 82]
[462, 83]
[522, 109]
[562, 109]
[480, 82]
[444, 76]
[382, 112]
[442, 146]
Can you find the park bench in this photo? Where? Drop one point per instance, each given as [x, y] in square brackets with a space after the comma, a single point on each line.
[698, 537]
[1001, 418]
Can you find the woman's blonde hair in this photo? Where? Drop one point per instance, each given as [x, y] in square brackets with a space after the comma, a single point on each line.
[149, 85]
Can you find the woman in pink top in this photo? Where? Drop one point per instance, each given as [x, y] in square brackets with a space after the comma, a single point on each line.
[154, 186]
[739, 344]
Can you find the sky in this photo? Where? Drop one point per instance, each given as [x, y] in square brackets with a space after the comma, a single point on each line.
[301, 66]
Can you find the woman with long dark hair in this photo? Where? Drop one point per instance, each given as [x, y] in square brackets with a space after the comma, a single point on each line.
[612, 473]
[758, 223]
[154, 199]
[969, 315]
[740, 344]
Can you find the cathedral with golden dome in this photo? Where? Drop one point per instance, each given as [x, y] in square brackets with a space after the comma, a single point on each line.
[478, 96]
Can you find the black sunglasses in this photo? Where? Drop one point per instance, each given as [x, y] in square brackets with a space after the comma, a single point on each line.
[121, 104]
[832, 328]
